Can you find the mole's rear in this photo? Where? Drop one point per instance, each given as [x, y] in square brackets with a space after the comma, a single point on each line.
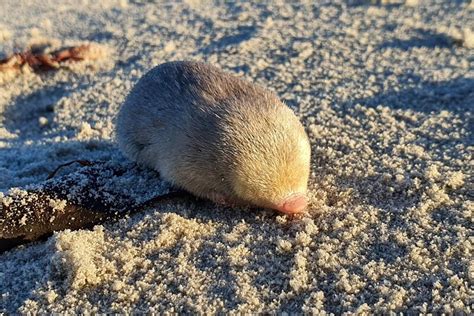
[217, 136]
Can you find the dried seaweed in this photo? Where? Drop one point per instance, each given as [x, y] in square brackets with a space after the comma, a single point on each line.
[39, 61]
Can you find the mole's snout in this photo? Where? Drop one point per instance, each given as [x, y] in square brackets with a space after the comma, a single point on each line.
[295, 203]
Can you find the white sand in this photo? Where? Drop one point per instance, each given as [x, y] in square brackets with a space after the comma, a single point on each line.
[386, 92]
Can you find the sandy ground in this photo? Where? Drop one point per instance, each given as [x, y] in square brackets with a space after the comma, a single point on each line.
[385, 90]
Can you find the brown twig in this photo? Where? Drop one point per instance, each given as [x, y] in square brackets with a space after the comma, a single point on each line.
[74, 201]
[81, 162]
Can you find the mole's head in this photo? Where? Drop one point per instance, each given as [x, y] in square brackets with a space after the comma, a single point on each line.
[271, 162]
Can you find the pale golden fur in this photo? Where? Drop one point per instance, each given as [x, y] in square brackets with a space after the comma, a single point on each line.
[215, 135]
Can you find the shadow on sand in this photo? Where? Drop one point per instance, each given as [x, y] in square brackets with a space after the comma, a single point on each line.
[422, 38]
[456, 95]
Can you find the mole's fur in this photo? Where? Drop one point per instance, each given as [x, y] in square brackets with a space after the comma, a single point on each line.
[216, 136]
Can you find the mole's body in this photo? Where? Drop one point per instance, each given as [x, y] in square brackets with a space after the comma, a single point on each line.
[216, 136]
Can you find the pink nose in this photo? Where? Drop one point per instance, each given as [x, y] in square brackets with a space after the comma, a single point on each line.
[295, 203]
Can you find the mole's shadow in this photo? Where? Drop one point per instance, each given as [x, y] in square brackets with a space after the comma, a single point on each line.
[455, 95]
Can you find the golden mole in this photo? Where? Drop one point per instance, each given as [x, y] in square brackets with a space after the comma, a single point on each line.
[217, 136]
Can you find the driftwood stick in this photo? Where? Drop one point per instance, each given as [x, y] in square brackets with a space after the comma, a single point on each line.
[25, 222]
[78, 200]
